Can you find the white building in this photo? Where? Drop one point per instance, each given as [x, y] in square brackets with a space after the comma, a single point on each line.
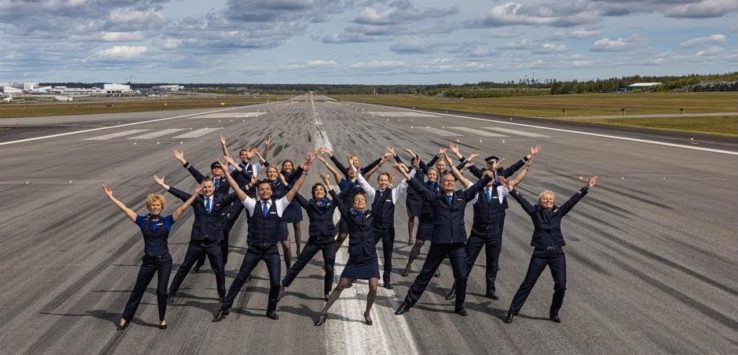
[9, 90]
[116, 88]
[168, 87]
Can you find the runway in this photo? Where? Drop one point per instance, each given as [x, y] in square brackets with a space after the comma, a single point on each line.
[652, 251]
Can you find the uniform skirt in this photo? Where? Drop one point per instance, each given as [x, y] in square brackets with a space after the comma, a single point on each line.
[413, 207]
[361, 268]
[425, 231]
[293, 213]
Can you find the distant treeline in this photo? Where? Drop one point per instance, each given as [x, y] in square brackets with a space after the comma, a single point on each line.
[523, 87]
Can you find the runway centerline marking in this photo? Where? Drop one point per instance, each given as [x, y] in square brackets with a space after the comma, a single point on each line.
[156, 134]
[440, 132]
[351, 335]
[516, 132]
[196, 133]
[116, 135]
[477, 132]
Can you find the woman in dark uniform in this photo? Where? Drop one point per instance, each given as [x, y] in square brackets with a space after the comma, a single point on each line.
[362, 263]
[322, 230]
[547, 243]
[293, 213]
[156, 259]
[425, 219]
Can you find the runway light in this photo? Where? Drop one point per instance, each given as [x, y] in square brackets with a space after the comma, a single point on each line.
[581, 178]
[28, 182]
[622, 178]
[134, 143]
[412, 126]
[503, 141]
[157, 143]
[480, 141]
[180, 142]
[70, 181]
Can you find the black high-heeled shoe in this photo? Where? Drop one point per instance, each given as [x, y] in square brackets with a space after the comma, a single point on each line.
[163, 325]
[368, 319]
[321, 319]
[121, 327]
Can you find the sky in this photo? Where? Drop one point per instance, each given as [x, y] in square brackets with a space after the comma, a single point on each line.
[362, 41]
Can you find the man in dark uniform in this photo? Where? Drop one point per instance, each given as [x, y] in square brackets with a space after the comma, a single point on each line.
[220, 184]
[449, 235]
[207, 233]
[265, 217]
[489, 217]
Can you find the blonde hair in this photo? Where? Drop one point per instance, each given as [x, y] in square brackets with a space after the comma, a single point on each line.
[544, 193]
[151, 198]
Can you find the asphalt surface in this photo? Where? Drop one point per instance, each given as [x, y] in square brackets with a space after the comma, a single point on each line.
[651, 251]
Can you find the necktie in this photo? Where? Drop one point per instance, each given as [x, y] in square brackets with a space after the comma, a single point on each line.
[449, 199]
[217, 183]
[208, 208]
[488, 194]
[264, 209]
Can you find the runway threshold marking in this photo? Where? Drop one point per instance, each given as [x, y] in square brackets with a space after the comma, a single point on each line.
[116, 126]
[648, 141]
[390, 334]
[197, 133]
[477, 132]
[156, 134]
[116, 135]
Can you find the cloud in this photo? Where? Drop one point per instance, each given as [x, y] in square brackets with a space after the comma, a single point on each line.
[413, 46]
[512, 13]
[122, 52]
[283, 10]
[548, 48]
[379, 64]
[702, 41]
[321, 63]
[400, 12]
[120, 36]
[704, 9]
[616, 45]
[711, 52]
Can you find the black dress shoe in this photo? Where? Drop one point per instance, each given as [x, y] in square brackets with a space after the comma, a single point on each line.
[405, 272]
[492, 295]
[327, 296]
[124, 326]
[321, 319]
[451, 293]
[555, 318]
[509, 318]
[404, 308]
[272, 315]
[222, 313]
[462, 312]
[162, 326]
[388, 285]
[368, 319]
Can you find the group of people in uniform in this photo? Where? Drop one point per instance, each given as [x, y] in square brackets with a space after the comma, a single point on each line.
[367, 217]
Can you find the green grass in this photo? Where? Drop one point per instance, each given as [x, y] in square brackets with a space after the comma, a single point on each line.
[582, 105]
[128, 105]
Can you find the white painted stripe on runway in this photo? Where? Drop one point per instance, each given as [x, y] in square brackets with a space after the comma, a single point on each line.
[516, 132]
[399, 114]
[232, 115]
[156, 134]
[196, 133]
[116, 126]
[477, 132]
[116, 135]
[389, 335]
[647, 141]
[440, 132]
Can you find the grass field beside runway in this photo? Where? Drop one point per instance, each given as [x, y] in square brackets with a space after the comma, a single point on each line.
[578, 107]
[114, 105]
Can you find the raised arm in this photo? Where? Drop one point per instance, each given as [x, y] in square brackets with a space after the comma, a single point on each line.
[419, 187]
[401, 188]
[518, 164]
[527, 206]
[171, 189]
[333, 170]
[471, 192]
[305, 168]
[224, 147]
[336, 198]
[181, 209]
[342, 168]
[457, 174]
[368, 189]
[512, 183]
[568, 205]
[127, 211]
[371, 166]
[267, 148]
